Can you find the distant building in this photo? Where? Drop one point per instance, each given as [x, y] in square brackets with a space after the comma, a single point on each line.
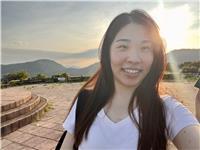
[61, 79]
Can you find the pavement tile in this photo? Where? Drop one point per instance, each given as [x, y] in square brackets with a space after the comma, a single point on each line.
[39, 123]
[62, 112]
[54, 135]
[58, 127]
[46, 145]
[33, 142]
[52, 120]
[13, 135]
[13, 146]
[28, 148]
[20, 138]
[46, 118]
[41, 131]
[34, 131]
[5, 142]
[57, 119]
[48, 124]
[28, 128]
[60, 120]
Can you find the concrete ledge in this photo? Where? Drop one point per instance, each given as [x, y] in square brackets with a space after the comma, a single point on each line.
[12, 98]
[24, 108]
[22, 120]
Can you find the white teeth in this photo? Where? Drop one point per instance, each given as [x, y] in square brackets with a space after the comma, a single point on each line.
[131, 70]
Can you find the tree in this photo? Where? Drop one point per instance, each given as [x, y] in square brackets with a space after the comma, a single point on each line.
[21, 75]
[190, 67]
[65, 75]
[40, 76]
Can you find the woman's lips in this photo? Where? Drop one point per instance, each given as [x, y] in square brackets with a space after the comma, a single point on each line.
[132, 72]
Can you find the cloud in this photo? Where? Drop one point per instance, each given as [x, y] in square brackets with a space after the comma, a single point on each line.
[64, 25]
[80, 63]
[19, 43]
[14, 44]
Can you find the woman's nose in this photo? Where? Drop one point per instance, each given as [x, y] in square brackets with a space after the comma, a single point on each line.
[133, 56]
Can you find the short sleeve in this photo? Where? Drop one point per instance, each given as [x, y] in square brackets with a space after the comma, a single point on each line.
[69, 122]
[178, 117]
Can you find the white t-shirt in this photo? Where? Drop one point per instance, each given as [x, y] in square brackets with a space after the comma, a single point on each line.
[123, 135]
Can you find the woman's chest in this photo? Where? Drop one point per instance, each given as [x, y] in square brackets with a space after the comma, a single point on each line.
[105, 134]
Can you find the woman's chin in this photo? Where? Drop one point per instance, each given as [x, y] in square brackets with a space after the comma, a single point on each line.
[130, 84]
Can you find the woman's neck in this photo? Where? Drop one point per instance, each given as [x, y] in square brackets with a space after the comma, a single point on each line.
[121, 99]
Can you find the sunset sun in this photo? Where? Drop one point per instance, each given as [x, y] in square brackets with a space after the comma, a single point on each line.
[174, 25]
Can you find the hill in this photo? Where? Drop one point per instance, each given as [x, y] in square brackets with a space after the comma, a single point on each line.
[13, 56]
[180, 56]
[84, 71]
[48, 67]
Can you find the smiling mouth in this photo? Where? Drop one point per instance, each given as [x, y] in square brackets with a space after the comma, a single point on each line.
[132, 71]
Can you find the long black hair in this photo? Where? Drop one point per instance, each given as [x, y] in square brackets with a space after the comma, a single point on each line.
[151, 124]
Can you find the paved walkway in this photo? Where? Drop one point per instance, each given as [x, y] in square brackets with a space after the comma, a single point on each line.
[43, 134]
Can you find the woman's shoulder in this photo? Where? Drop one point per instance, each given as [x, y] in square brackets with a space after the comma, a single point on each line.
[178, 116]
[170, 102]
[175, 109]
[173, 106]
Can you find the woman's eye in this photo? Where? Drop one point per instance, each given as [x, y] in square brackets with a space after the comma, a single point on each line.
[122, 46]
[146, 48]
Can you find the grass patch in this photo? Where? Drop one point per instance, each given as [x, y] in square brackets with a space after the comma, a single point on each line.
[48, 107]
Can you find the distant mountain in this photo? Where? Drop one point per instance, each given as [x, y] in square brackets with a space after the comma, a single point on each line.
[13, 56]
[84, 71]
[47, 67]
[180, 56]
[50, 67]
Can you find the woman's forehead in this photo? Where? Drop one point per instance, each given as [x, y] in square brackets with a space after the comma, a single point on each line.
[133, 33]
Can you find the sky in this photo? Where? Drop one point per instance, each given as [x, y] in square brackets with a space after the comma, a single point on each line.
[78, 26]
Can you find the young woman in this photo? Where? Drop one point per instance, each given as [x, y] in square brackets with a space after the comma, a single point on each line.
[124, 109]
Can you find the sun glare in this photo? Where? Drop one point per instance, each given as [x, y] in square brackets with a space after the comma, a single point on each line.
[174, 25]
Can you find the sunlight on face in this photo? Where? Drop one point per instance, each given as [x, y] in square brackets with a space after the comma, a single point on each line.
[174, 25]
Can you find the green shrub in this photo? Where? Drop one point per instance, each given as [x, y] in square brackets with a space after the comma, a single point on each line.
[168, 76]
[15, 82]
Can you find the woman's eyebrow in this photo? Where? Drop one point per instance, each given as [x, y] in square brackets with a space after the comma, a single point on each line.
[127, 40]
[146, 41]
[124, 40]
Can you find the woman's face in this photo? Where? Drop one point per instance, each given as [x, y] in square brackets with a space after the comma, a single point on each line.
[131, 55]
